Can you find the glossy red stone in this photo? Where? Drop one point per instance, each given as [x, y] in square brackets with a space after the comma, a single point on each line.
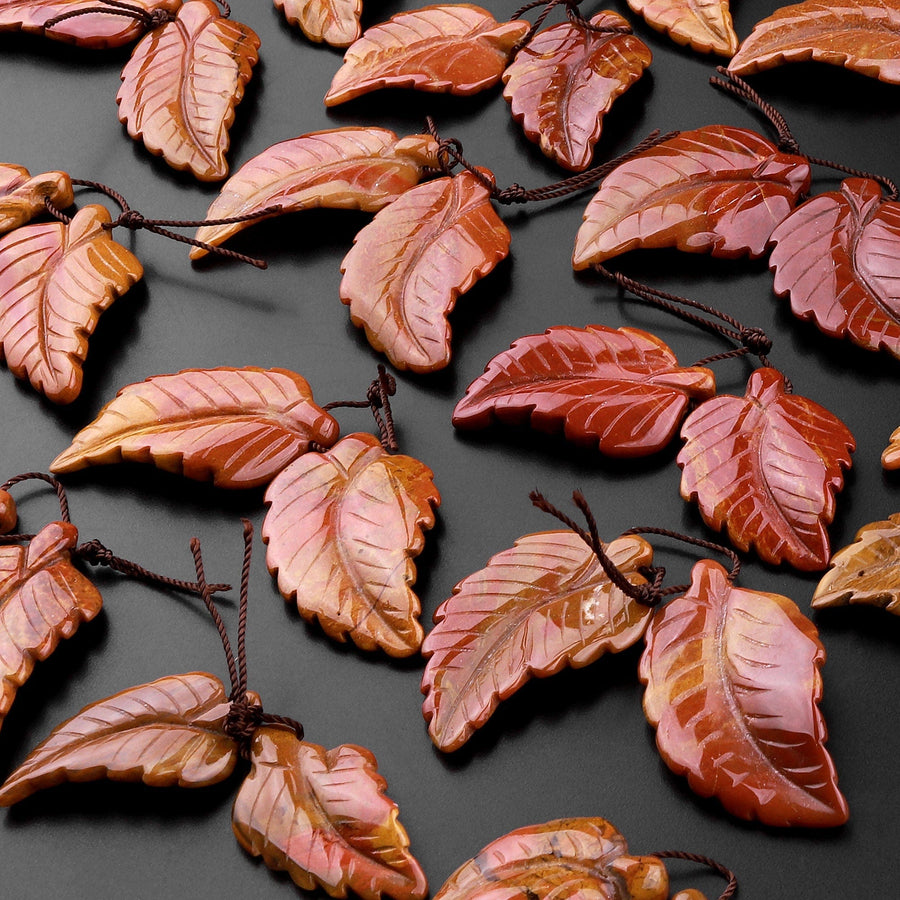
[8, 513]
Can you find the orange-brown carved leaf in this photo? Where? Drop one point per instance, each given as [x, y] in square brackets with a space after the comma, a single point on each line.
[95, 31]
[702, 25]
[181, 85]
[167, 732]
[323, 817]
[733, 687]
[565, 859]
[335, 22]
[564, 81]
[717, 189]
[544, 604]
[619, 390]
[861, 36]
[410, 263]
[236, 427]
[22, 197]
[344, 168]
[766, 467]
[460, 49]
[838, 259]
[43, 599]
[342, 528]
[890, 458]
[55, 282]
[866, 571]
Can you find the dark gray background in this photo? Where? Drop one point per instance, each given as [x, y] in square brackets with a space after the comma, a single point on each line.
[576, 744]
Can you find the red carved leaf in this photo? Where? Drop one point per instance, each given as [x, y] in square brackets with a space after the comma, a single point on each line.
[167, 732]
[861, 36]
[564, 81]
[702, 25]
[411, 262]
[544, 604]
[460, 49]
[182, 83]
[866, 571]
[620, 390]
[564, 859]
[345, 168]
[733, 686]
[766, 467]
[96, 31]
[22, 197]
[342, 529]
[336, 22]
[236, 427]
[890, 458]
[838, 259]
[55, 282]
[43, 598]
[717, 189]
[323, 817]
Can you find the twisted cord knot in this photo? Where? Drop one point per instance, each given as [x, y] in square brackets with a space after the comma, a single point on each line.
[130, 218]
[242, 721]
[449, 153]
[756, 340]
[94, 552]
[515, 193]
[650, 594]
[159, 17]
[373, 394]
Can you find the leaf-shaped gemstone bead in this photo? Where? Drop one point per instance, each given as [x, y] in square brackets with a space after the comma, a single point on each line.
[410, 263]
[43, 599]
[703, 25]
[564, 81]
[861, 36]
[564, 859]
[766, 467]
[890, 458]
[344, 168]
[460, 49]
[838, 259]
[323, 817]
[22, 197]
[544, 604]
[342, 528]
[334, 22]
[717, 189]
[866, 571]
[56, 280]
[236, 427]
[96, 30]
[181, 85]
[167, 732]
[733, 686]
[620, 390]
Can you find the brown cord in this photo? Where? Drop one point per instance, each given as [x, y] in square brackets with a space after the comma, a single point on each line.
[573, 13]
[893, 193]
[450, 154]
[377, 400]
[150, 20]
[726, 873]
[49, 479]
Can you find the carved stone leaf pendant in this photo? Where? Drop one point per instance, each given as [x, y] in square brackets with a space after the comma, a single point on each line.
[181, 85]
[620, 390]
[733, 686]
[410, 263]
[342, 530]
[56, 280]
[344, 168]
[765, 467]
[22, 197]
[717, 189]
[702, 25]
[837, 257]
[167, 732]
[235, 427]
[458, 49]
[43, 599]
[334, 22]
[564, 81]
[323, 817]
[96, 31]
[861, 36]
[565, 858]
[544, 604]
[890, 458]
[866, 571]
